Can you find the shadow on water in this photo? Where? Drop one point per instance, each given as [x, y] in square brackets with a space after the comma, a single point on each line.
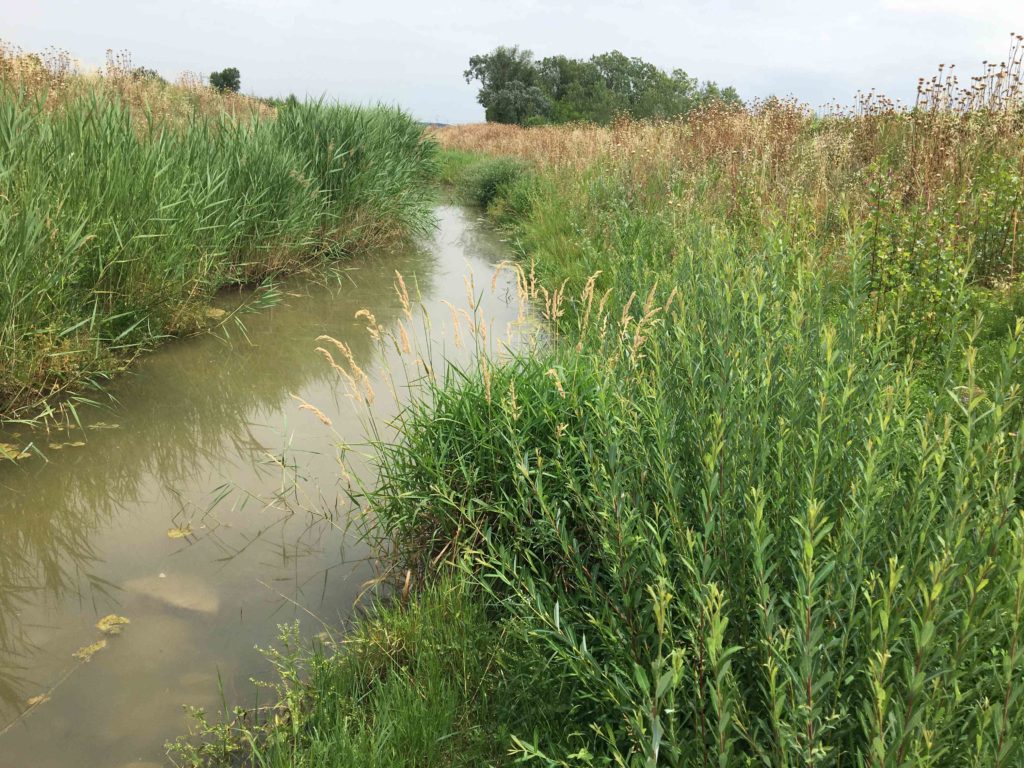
[206, 441]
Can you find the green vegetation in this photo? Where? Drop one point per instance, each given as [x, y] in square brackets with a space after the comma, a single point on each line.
[127, 203]
[516, 88]
[491, 181]
[759, 501]
[228, 79]
[406, 692]
[746, 523]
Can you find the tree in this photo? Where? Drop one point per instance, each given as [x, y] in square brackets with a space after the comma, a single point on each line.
[516, 89]
[226, 80]
[145, 73]
[577, 91]
[509, 90]
[517, 103]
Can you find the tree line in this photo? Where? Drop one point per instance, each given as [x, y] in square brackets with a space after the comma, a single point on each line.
[516, 88]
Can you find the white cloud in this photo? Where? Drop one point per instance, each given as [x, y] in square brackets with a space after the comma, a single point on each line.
[974, 9]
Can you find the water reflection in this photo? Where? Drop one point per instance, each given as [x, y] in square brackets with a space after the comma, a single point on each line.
[205, 438]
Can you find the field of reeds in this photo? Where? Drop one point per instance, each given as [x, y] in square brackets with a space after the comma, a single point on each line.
[758, 502]
[126, 203]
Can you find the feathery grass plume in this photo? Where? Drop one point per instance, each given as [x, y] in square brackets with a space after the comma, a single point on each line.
[403, 294]
[357, 373]
[305, 406]
[372, 327]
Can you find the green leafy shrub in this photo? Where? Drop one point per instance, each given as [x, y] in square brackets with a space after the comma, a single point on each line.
[486, 180]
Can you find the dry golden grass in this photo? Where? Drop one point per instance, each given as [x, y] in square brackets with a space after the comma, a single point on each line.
[771, 148]
[54, 76]
[791, 161]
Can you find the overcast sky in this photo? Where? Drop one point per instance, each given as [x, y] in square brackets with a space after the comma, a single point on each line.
[412, 52]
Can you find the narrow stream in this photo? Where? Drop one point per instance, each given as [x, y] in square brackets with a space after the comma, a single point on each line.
[206, 439]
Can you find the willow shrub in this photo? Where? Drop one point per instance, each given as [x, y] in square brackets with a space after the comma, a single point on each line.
[728, 518]
[117, 225]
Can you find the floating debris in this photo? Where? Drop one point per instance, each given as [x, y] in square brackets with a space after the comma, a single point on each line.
[86, 653]
[35, 701]
[58, 446]
[104, 425]
[112, 624]
[179, 533]
[12, 452]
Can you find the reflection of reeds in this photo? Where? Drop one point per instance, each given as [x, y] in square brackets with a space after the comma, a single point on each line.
[177, 421]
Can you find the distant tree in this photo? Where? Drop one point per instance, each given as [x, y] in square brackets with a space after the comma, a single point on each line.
[577, 91]
[516, 89]
[144, 73]
[518, 103]
[633, 81]
[509, 90]
[226, 80]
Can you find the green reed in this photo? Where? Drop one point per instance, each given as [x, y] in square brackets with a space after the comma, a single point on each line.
[747, 526]
[117, 225]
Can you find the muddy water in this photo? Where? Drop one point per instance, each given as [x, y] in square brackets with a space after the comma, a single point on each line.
[205, 437]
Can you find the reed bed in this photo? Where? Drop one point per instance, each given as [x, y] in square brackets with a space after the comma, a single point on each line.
[125, 205]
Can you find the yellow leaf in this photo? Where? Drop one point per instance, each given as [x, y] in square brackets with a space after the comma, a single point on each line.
[87, 652]
[35, 701]
[12, 452]
[111, 624]
[179, 533]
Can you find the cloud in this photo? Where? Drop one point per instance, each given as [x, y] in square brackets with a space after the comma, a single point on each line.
[969, 9]
[413, 53]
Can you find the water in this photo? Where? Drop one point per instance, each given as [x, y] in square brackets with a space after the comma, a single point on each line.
[206, 435]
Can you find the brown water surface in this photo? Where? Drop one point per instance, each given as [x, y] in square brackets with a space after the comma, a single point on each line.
[206, 441]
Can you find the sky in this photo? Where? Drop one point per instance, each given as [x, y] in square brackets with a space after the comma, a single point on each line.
[412, 53]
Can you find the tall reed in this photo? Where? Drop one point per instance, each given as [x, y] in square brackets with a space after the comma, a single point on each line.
[118, 222]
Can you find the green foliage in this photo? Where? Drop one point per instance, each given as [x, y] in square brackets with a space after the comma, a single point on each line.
[737, 525]
[925, 250]
[759, 500]
[408, 687]
[453, 166]
[227, 80]
[509, 91]
[116, 228]
[514, 88]
[484, 181]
